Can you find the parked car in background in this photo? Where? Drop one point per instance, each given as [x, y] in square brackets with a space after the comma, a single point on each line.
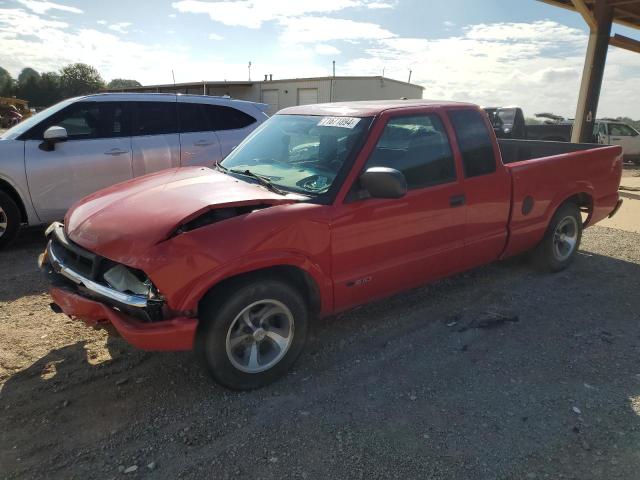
[324, 208]
[509, 122]
[614, 132]
[83, 144]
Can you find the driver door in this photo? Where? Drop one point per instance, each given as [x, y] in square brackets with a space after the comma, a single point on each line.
[382, 246]
[96, 154]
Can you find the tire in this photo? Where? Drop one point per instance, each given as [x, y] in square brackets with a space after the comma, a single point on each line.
[561, 241]
[252, 336]
[9, 220]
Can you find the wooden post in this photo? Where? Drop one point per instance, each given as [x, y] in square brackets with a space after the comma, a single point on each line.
[593, 72]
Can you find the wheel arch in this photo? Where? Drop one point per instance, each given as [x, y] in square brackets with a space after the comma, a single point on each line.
[295, 276]
[9, 189]
[584, 201]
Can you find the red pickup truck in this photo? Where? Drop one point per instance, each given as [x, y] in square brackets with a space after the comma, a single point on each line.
[322, 208]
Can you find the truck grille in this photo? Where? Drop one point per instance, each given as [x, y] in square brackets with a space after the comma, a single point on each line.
[77, 258]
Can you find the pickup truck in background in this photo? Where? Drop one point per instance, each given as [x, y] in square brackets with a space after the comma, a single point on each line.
[509, 122]
[325, 207]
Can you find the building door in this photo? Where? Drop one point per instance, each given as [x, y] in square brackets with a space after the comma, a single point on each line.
[271, 97]
[307, 96]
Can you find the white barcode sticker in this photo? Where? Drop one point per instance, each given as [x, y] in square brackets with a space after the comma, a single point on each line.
[342, 122]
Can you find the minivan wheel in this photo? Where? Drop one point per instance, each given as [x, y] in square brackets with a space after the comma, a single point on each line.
[562, 240]
[252, 337]
[9, 220]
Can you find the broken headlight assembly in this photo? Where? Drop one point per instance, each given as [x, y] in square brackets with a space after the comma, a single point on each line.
[135, 282]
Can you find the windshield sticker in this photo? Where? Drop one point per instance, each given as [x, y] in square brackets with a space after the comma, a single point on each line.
[342, 122]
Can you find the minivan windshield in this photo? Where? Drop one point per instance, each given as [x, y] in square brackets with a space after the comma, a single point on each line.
[299, 153]
[17, 130]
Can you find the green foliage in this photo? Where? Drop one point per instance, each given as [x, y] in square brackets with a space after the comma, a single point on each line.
[117, 83]
[43, 90]
[27, 74]
[80, 79]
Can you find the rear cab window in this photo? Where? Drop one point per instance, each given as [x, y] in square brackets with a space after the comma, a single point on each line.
[474, 141]
[418, 146]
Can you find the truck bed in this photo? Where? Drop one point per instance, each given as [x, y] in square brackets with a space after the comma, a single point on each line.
[513, 150]
[546, 174]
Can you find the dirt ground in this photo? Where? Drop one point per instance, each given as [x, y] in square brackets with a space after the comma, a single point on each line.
[500, 373]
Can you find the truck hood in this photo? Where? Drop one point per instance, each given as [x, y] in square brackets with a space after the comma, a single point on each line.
[123, 221]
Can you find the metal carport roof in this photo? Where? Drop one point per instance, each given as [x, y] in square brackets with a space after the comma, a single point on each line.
[599, 15]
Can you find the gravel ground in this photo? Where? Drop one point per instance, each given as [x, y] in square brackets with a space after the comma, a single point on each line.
[500, 373]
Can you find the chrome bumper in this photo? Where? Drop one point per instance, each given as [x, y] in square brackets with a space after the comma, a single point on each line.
[135, 301]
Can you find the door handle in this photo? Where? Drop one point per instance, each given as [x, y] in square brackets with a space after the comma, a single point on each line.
[616, 138]
[203, 143]
[115, 152]
[457, 200]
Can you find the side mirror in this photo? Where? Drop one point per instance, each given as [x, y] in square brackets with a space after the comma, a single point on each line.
[384, 182]
[53, 135]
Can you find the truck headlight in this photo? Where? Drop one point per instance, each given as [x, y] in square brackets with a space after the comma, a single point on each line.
[124, 280]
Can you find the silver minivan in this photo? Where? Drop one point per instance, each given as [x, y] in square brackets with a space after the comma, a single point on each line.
[83, 144]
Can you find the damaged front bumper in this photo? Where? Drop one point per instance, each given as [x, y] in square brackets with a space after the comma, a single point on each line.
[72, 273]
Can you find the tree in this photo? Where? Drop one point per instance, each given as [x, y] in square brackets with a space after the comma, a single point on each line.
[122, 83]
[80, 79]
[28, 87]
[7, 84]
[49, 90]
[27, 74]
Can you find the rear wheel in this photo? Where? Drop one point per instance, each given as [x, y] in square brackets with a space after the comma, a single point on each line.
[9, 219]
[254, 336]
[562, 240]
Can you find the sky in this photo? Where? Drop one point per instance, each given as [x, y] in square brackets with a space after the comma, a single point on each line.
[490, 52]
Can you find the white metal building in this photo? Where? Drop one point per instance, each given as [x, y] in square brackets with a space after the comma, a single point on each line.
[299, 91]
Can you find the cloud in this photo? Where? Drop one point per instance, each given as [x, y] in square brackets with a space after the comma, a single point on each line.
[215, 36]
[324, 49]
[102, 22]
[120, 27]
[172, 15]
[253, 13]
[41, 7]
[535, 65]
[322, 29]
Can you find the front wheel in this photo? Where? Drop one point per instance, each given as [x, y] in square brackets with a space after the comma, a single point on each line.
[562, 240]
[9, 219]
[253, 337]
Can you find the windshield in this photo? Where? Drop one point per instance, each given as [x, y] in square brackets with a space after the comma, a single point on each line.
[299, 153]
[22, 127]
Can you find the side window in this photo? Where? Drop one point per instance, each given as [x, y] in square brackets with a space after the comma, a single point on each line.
[417, 146]
[155, 118]
[192, 118]
[88, 120]
[474, 142]
[622, 130]
[227, 118]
